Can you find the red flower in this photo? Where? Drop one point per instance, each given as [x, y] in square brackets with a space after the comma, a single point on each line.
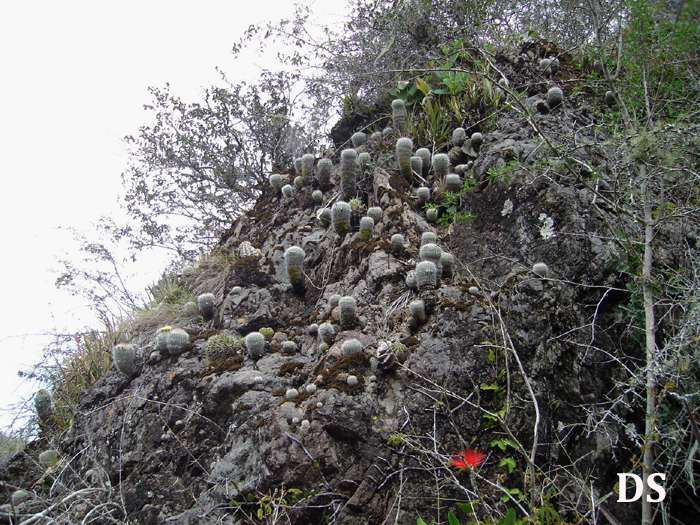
[468, 459]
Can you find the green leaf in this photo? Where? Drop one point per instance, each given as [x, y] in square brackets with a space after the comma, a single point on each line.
[466, 507]
[452, 518]
[508, 462]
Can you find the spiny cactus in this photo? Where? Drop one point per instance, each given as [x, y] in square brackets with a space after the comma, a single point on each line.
[424, 154]
[387, 132]
[222, 346]
[323, 173]
[554, 65]
[376, 213]
[49, 458]
[162, 336]
[376, 136]
[598, 67]
[411, 280]
[397, 243]
[298, 182]
[540, 269]
[177, 340]
[351, 346]
[398, 116]
[267, 332]
[334, 299]
[294, 261]
[363, 160]
[366, 228]
[255, 344]
[433, 253]
[288, 191]
[291, 393]
[307, 168]
[276, 181]
[459, 137]
[404, 151]
[418, 310]
[358, 139]
[426, 275]
[422, 196]
[289, 348]
[246, 249]
[348, 173]
[188, 270]
[447, 262]
[453, 182]
[545, 66]
[190, 309]
[441, 163]
[311, 389]
[476, 140]
[43, 404]
[610, 99]
[431, 214]
[417, 164]
[428, 238]
[205, 303]
[324, 216]
[297, 165]
[555, 96]
[124, 357]
[351, 380]
[317, 195]
[348, 312]
[340, 216]
[326, 332]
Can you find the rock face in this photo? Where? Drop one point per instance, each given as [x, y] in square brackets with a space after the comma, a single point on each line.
[515, 361]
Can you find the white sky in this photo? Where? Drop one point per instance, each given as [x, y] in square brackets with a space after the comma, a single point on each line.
[73, 80]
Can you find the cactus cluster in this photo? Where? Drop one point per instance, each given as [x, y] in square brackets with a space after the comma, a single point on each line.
[348, 173]
[255, 344]
[176, 341]
[222, 346]
[288, 191]
[326, 332]
[459, 137]
[294, 261]
[555, 96]
[391, 355]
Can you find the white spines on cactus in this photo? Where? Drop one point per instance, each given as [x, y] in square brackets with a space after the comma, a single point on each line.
[323, 173]
[255, 344]
[43, 404]
[348, 173]
[276, 181]
[428, 238]
[291, 393]
[418, 310]
[307, 168]
[555, 96]
[124, 357]
[447, 262]
[340, 216]
[363, 160]
[298, 182]
[49, 458]
[376, 213]
[540, 269]
[397, 243]
[431, 214]
[404, 151]
[351, 380]
[546, 66]
[288, 191]
[424, 153]
[426, 275]
[205, 303]
[162, 336]
[411, 280]
[417, 164]
[366, 228]
[476, 140]
[289, 348]
[376, 136]
[246, 249]
[554, 65]
[453, 182]
[294, 262]
[317, 195]
[432, 252]
[324, 216]
[188, 270]
[422, 195]
[398, 116]
[297, 165]
[358, 139]
[326, 332]
[177, 340]
[459, 137]
[334, 300]
[351, 346]
[441, 163]
[387, 132]
[610, 99]
[348, 312]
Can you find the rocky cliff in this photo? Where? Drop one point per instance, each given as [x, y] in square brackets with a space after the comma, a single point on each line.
[495, 355]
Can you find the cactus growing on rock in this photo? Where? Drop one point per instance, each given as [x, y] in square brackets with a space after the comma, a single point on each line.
[610, 99]
[441, 163]
[418, 310]
[43, 404]
[351, 380]
[298, 182]
[49, 458]
[363, 160]
[453, 182]
[477, 140]
[366, 228]
[424, 154]
[447, 262]
[348, 173]
[291, 393]
[255, 344]
[459, 137]
[294, 262]
[288, 191]
[289, 348]
[404, 151]
[205, 303]
[428, 238]
[326, 332]
[351, 346]
[124, 357]
[317, 196]
[340, 216]
[324, 216]
[432, 252]
[222, 346]
[426, 275]
[411, 280]
[276, 181]
[540, 269]
[417, 164]
[397, 243]
[348, 312]
[358, 139]
[267, 332]
[177, 340]
[398, 116]
[323, 173]
[376, 213]
[307, 168]
[555, 96]
[422, 196]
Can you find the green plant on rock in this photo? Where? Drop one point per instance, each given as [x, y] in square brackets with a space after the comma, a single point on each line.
[450, 205]
[223, 346]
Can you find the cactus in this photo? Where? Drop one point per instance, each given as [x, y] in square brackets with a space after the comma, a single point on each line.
[124, 357]
[431, 214]
[453, 182]
[441, 163]
[222, 346]
[267, 332]
[348, 173]
[311, 389]
[334, 300]
[387, 132]
[326, 332]
[43, 404]
[255, 344]
[358, 139]
[376, 213]
[351, 346]
[459, 137]
[404, 151]
[307, 168]
[424, 153]
[323, 173]
[447, 262]
[294, 261]
[19, 496]
[376, 136]
[545, 66]
[324, 216]
[433, 253]
[418, 310]
[312, 329]
[298, 182]
[176, 341]
[340, 216]
[297, 165]
[351, 381]
[397, 243]
[477, 140]
[188, 270]
[245, 249]
[289, 348]
[317, 195]
[554, 65]
[473, 290]
[610, 99]
[411, 280]
[236, 289]
[205, 303]
[288, 191]
[348, 312]
[398, 116]
[291, 393]
[190, 309]
[598, 67]
[555, 97]
[428, 238]
[417, 164]
[49, 458]
[162, 336]
[460, 169]
[426, 275]
[422, 196]
[540, 269]
[276, 181]
[366, 228]
[363, 160]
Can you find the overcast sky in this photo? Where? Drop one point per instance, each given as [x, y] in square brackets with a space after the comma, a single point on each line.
[74, 79]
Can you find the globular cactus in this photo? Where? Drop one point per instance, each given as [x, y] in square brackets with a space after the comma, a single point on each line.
[404, 151]
[348, 173]
[363, 160]
[376, 136]
[190, 309]
[236, 289]
[291, 393]
[610, 99]
[348, 312]
[459, 137]
[441, 163]
[176, 341]
[222, 346]
[424, 154]
[351, 380]
[334, 300]
[340, 216]
[422, 196]
[598, 67]
[473, 290]
[276, 181]
[387, 132]
[351, 346]
[49, 458]
[307, 168]
[546, 66]
[43, 404]
[418, 310]
[294, 261]
[162, 336]
[324, 216]
[255, 344]
[312, 329]
[366, 228]
[555, 96]
[428, 238]
[447, 262]
[376, 213]
[432, 252]
[267, 332]
[323, 173]
[298, 182]
[246, 249]
[397, 243]
[317, 195]
[188, 270]
[311, 388]
[398, 116]
[205, 303]
[426, 275]
[540, 269]
[358, 139]
[431, 214]
[411, 280]
[453, 182]
[417, 164]
[288, 191]
[124, 357]
[289, 348]
[326, 332]
[297, 165]
[477, 140]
